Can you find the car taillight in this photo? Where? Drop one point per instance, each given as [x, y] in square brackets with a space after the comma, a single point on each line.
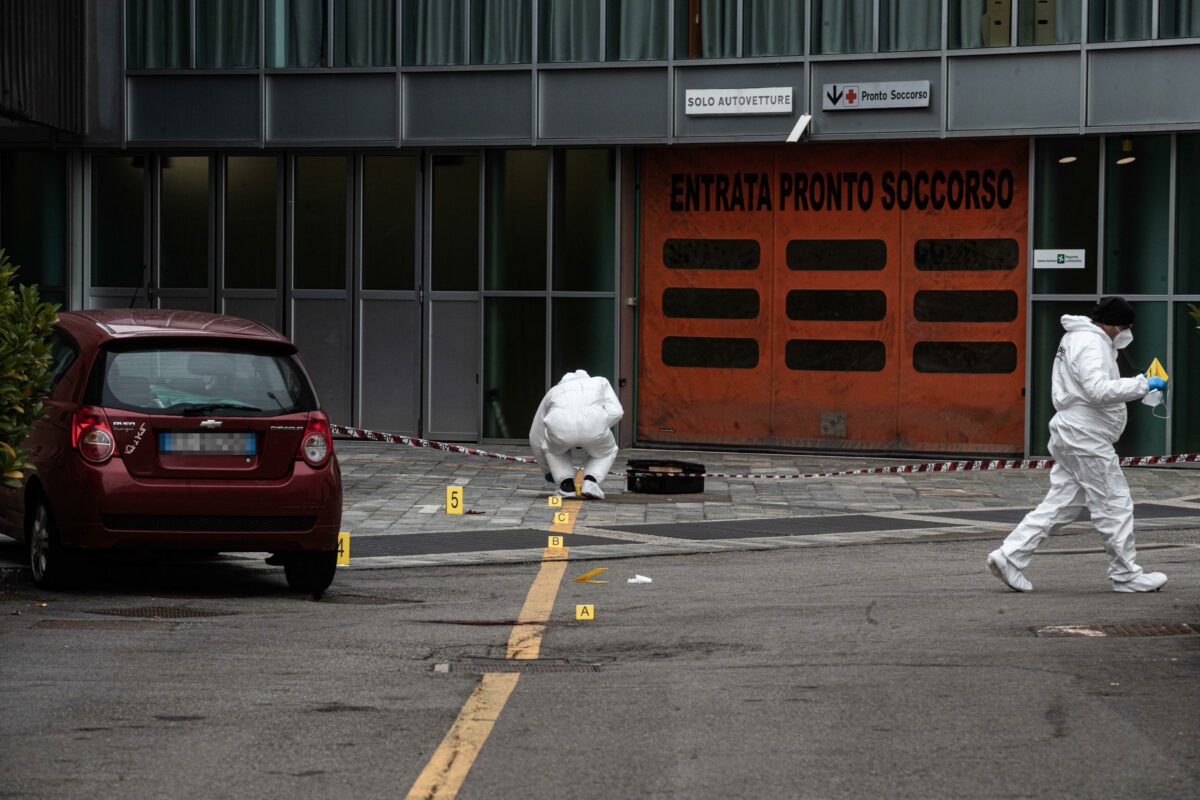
[91, 436]
[316, 445]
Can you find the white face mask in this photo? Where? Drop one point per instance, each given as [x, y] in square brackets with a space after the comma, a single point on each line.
[1123, 339]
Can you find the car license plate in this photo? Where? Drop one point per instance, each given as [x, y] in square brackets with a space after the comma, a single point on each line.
[207, 443]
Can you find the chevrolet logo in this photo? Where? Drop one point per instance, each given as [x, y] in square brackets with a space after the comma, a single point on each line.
[211, 423]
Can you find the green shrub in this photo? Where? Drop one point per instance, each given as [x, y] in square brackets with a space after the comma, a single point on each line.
[1194, 313]
[25, 321]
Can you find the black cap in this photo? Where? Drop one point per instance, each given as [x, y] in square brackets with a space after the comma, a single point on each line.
[1113, 311]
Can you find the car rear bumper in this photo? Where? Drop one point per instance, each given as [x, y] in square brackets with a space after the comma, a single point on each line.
[302, 511]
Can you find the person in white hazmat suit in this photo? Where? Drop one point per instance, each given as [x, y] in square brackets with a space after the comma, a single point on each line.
[1089, 397]
[578, 411]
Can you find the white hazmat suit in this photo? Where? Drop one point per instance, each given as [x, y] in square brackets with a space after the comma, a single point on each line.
[1089, 396]
[578, 411]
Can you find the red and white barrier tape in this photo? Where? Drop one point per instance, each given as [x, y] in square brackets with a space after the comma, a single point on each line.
[941, 466]
[412, 441]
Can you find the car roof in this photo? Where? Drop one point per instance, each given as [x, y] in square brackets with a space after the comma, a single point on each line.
[101, 325]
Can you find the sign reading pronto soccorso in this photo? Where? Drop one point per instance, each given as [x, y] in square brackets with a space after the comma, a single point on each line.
[858, 296]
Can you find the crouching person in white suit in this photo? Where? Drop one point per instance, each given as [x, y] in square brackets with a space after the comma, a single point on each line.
[577, 412]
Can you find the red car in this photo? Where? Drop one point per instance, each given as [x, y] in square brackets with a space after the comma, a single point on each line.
[178, 430]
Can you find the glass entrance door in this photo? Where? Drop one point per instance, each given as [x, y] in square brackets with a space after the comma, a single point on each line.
[452, 266]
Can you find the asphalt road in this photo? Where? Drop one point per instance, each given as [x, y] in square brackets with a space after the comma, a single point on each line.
[860, 671]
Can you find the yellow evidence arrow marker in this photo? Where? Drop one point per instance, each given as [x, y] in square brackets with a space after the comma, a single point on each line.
[587, 576]
[1156, 371]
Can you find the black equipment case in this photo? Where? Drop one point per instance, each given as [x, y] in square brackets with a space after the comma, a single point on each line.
[663, 484]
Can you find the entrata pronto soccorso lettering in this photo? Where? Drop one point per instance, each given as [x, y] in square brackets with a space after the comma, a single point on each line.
[836, 191]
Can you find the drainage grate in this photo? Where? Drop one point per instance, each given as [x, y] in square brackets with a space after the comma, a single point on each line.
[1135, 629]
[160, 612]
[483, 666]
[106, 625]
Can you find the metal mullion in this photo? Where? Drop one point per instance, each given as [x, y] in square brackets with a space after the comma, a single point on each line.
[1100, 232]
[219, 172]
[329, 33]
[551, 197]
[192, 34]
[604, 30]
[1172, 248]
[153, 224]
[875, 26]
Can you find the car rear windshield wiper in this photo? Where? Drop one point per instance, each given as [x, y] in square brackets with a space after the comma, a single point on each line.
[208, 408]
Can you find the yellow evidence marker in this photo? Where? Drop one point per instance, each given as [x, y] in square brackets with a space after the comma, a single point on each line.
[555, 543]
[562, 518]
[453, 499]
[587, 576]
[585, 612]
[1156, 371]
[555, 501]
[343, 550]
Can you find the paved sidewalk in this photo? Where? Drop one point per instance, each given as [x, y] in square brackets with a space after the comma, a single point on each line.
[394, 505]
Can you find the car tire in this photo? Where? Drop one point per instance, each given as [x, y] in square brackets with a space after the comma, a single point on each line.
[311, 572]
[48, 559]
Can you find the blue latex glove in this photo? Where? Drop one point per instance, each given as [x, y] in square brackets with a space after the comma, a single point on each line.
[1156, 383]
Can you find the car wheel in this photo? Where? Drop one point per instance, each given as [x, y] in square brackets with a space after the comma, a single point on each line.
[311, 572]
[47, 557]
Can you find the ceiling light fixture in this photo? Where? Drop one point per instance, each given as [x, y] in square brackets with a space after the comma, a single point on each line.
[1068, 159]
[1127, 149]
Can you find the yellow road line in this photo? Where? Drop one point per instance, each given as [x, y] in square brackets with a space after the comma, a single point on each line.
[448, 768]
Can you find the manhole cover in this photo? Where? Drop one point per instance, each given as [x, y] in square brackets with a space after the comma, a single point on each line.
[105, 625]
[160, 612]
[481, 666]
[1135, 629]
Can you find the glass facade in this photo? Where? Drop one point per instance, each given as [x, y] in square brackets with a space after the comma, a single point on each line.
[251, 220]
[1116, 191]
[314, 34]
[183, 221]
[319, 239]
[118, 222]
[33, 219]
[389, 226]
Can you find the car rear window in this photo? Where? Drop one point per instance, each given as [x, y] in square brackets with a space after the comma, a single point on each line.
[218, 382]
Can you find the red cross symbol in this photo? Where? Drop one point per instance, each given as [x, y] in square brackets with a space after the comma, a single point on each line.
[851, 97]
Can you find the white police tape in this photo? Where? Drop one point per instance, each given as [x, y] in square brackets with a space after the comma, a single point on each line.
[941, 466]
[412, 441]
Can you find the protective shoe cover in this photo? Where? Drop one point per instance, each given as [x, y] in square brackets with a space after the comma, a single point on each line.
[1003, 569]
[1146, 582]
[591, 489]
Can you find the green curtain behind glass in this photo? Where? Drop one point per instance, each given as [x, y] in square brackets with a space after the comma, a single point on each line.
[158, 33]
[842, 26]
[226, 33]
[718, 28]
[910, 25]
[640, 28]
[1178, 18]
[296, 33]
[1065, 24]
[436, 32]
[366, 33]
[774, 28]
[501, 28]
[572, 30]
[1119, 20]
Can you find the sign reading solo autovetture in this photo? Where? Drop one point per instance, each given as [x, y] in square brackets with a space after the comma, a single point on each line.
[863, 96]
[771, 100]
